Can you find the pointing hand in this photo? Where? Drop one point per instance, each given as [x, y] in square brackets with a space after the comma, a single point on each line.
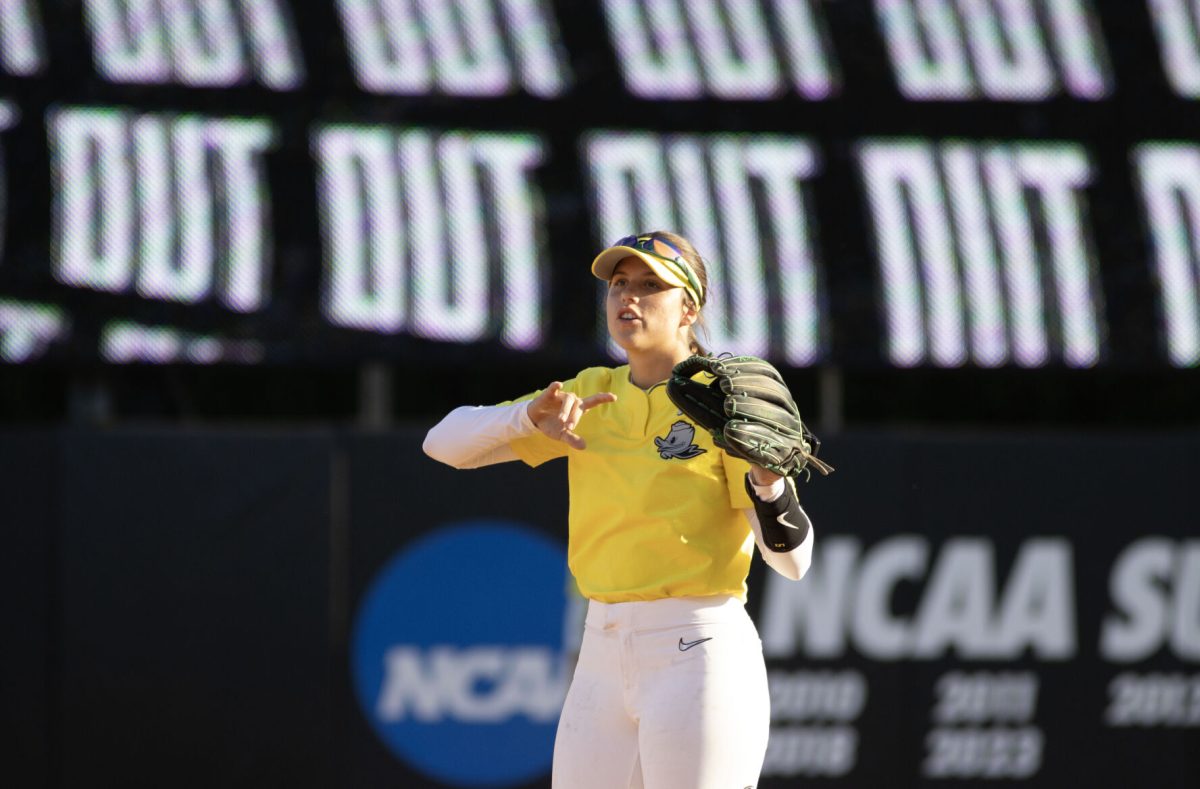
[556, 412]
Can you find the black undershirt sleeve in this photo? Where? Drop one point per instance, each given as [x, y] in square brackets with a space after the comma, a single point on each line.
[784, 524]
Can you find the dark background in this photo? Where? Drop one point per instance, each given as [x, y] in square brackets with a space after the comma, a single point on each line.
[183, 547]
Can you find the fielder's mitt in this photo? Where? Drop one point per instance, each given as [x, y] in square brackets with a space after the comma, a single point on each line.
[749, 412]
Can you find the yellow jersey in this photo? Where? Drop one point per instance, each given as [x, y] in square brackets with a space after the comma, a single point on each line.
[655, 505]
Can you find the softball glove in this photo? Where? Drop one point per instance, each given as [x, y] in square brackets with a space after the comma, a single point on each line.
[749, 412]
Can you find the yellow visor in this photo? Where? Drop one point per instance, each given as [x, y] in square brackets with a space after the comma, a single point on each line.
[662, 258]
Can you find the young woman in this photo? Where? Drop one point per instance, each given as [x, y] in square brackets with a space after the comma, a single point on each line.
[670, 689]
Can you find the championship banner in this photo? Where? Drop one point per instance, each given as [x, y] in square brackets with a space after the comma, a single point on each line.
[875, 183]
[1023, 610]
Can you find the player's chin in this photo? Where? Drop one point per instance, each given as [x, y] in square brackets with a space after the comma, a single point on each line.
[621, 340]
[629, 337]
[623, 331]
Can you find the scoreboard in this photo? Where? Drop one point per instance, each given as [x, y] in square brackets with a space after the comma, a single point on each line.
[886, 184]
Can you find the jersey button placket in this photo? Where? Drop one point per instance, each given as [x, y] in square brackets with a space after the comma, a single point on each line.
[641, 415]
[651, 396]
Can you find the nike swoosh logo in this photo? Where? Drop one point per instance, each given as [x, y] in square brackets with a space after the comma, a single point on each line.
[782, 522]
[684, 646]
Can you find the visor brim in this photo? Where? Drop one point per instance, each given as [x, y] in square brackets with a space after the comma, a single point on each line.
[606, 263]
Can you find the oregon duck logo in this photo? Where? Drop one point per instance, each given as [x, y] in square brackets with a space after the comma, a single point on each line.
[678, 443]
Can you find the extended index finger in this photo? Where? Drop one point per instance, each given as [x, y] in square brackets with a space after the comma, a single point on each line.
[591, 401]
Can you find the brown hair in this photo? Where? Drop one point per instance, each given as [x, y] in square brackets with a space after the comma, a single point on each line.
[694, 260]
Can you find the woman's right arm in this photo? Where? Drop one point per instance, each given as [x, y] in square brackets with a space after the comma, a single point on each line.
[474, 436]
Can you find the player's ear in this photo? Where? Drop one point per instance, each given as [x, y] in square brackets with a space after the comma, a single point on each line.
[690, 313]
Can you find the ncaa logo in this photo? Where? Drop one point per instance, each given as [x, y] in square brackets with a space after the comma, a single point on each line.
[457, 653]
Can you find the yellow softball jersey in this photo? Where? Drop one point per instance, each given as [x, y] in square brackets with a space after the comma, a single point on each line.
[655, 506]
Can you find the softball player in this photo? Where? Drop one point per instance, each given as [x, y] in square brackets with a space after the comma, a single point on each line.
[670, 691]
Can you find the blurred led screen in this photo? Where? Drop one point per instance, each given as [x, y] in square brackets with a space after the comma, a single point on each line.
[896, 183]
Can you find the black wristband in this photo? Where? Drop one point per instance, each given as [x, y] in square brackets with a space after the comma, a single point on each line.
[784, 525]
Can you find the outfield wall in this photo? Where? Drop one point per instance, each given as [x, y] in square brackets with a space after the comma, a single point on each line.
[331, 608]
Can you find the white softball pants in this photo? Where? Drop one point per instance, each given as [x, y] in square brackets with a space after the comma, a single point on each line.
[667, 694]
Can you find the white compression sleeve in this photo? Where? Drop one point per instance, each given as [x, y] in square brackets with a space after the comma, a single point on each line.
[767, 493]
[474, 436]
